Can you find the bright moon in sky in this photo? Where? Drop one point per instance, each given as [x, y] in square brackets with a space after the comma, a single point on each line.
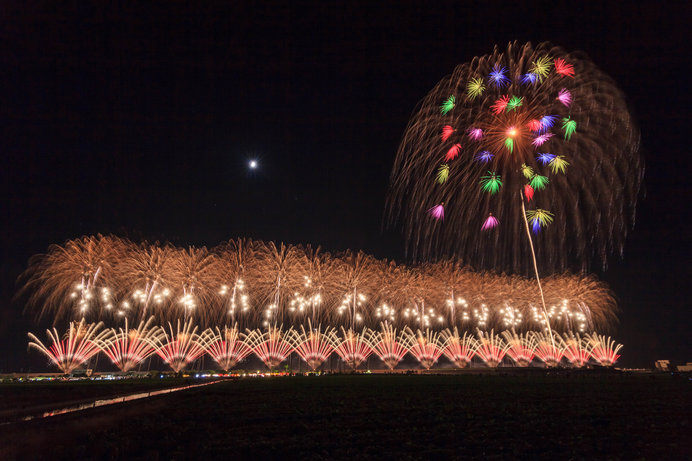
[253, 164]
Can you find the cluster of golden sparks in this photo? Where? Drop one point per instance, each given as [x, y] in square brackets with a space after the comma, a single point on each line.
[179, 347]
[256, 284]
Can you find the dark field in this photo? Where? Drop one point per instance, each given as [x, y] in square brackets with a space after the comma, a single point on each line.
[26, 398]
[532, 416]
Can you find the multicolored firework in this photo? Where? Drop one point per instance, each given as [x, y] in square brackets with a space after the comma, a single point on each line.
[504, 107]
[576, 349]
[79, 344]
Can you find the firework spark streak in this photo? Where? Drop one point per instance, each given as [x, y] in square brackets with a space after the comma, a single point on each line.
[79, 344]
[506, 105]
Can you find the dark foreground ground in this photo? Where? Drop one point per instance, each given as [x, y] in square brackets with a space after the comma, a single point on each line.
[577, 416]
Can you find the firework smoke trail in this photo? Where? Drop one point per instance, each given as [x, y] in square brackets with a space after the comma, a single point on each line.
[576, 349]
[603, 349]
[506, 104]
[271, 346]
[181, 347]
[491, 348]
[353, 348]
[128, 348]
[389, 346]
[459, 349]
[521, 347]
[426, 348]
[227, 348]
[314, 346]
[80, 343]
[548, 350]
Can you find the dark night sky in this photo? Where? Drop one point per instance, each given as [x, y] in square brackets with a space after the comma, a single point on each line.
[139, 120]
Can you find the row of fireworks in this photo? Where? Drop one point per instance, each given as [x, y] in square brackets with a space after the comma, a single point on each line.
[259, 283]
[178, 348]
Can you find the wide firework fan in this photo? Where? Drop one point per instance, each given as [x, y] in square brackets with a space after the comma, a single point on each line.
[523, 138]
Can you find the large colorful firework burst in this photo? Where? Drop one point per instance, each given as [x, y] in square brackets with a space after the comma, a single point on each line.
[523, 137]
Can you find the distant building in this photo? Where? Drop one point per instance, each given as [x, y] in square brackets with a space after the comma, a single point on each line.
[686, 367]
[662, 365]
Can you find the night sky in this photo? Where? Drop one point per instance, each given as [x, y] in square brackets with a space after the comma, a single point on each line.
[140, 120]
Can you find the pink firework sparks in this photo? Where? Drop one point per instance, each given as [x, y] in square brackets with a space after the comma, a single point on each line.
[521, 347]
[475, 133]
[80, 343]
[227, 348]
[313, 345]
[427, 348]
[459, 349]
[549, 351]
[447, 132]
[491, 348]
[354, 348]
[603, 349]
[389, 346]
[576, 349]
[181, 347]
[565, 97]
[542, 139]
[128, 348]
[490, 222]
[564, 69]
[437, 212]
[453, 152]
[270, 346]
